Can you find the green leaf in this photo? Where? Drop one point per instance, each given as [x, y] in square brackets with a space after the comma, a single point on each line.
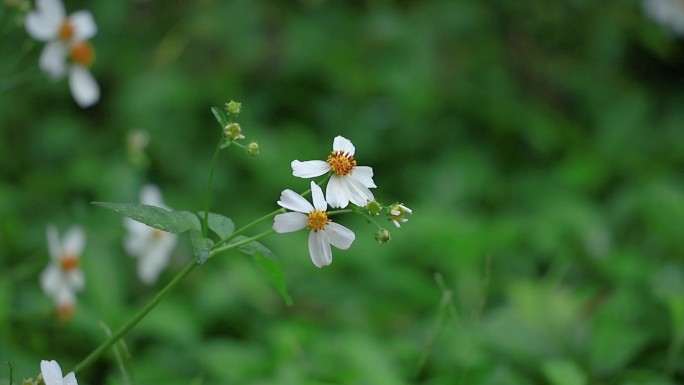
[274, 272]
[563, 372]
[157, 217]
[220, 117]
[253, 247]
[201, 246]
[219, 224]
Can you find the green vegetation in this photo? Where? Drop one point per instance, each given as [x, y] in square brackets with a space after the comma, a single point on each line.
[540, 145]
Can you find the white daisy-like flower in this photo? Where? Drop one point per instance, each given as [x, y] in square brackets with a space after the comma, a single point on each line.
[668, 13]
[52, 374]
[349, 182]
[151, 246]
[63, 277]
[396, 214]
[314, 217]
[68, 49]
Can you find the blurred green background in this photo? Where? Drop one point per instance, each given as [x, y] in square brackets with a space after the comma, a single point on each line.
[540, 144]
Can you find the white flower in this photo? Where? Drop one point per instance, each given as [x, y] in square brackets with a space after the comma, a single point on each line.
[67, 38]
[63, 277]
[151, 246]
[349, 182]
[668, 13]
[323, 231]
[397, 212]
[52, 374]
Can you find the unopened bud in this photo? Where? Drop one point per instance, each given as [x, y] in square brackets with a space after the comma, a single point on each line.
[253, 149]
[233, 107]
[233, 131]
[383, 236]
[374, 207]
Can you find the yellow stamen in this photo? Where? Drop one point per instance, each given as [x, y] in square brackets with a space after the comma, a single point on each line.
[83, 53]
[66, 31]
[341, 163]
[69, 262]
[317, 220]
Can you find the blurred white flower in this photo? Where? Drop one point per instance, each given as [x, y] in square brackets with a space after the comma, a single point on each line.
[63, 277]
[349, 182]
[323, 231]
[52, 374]
[668, 13]
[67, 48]
[396, 214]
[151, 246]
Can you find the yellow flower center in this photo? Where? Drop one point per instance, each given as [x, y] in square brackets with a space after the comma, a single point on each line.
[157, 234]
[318, 219]
[341, 163]
[68, 262]
[83, 53]
[66, 31]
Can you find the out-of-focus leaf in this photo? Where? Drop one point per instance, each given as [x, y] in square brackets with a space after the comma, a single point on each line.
[201, 246]
[563, 372]
[157, 217]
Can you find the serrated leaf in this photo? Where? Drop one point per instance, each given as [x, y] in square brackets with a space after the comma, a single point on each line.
[252, 247]
[220, 116]
[274, 272]
[157, 217]
[219, 224]
[201, 246]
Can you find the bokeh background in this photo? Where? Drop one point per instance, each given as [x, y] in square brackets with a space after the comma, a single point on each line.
[540, 144]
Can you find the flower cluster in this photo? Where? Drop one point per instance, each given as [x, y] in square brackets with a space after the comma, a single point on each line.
[68, 48]
[348, 183]
[63, 277]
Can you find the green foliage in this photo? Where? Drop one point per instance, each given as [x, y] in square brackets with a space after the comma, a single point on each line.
[157, 217]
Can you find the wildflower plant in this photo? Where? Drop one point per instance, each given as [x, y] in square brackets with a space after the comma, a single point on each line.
[153, 229]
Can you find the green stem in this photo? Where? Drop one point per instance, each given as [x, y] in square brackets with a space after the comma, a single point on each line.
[207, 196]
[248, 226]
[240, 243]
[95, 354]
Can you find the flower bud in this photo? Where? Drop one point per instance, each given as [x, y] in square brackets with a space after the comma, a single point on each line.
[383, 236]
[233, 132]
[374, 207]
[396, 213]
[233, 107]
[253, 149]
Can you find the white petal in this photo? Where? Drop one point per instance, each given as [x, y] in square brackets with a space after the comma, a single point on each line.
[365, 175]
[317, 197]
[151, 195]
[51, 280]
[156, 259]
[70, 379]
[53, 59]
[54, 246]
[75, 279]
[295, 202]
[309, 168]
[65, 297]
[343, 144]
[84, 25]
[135, 227]
[336, 192]
[289, 222]
[358, 193]
[83, 86]
[52, 373]
[44, 22]
[74, 241]
[319, 248]
[339, 236]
